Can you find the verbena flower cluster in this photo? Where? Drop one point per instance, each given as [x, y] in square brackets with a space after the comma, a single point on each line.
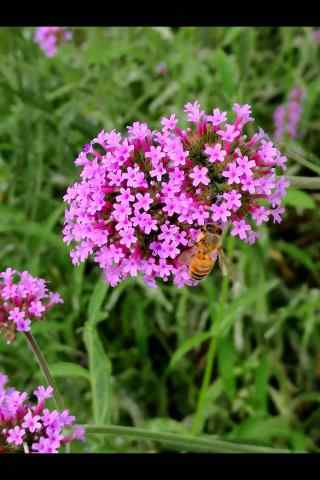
[316, 36]
[30, 427]
[49, 38]
[23, 299]
[286, 117]
[143, 198]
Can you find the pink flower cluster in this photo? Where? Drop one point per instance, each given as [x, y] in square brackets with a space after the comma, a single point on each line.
[286, 117]
[316, 36]
[30, 427]
[49, 38]
[23, 299]
[142, 199]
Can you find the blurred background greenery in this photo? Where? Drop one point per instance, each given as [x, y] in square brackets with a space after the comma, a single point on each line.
[131, 355]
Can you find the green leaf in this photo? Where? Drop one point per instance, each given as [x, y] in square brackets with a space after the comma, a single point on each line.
[244, 47]
[227, 360]
[168, 93]
[228, 73]
[239, 305]
[100, 375]
[96, 301]
[140, 325]
[186, 443]
[299, 199]
[182, 317]
[260, 394]
[297, 254]
[261, 429]
[188, 345]
[68, 369]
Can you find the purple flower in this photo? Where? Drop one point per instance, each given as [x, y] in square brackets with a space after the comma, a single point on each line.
[229, 134]
[46, 445]
[23, 325]
[233, 173]
[220, 213]
[49, 38]
[276, 214]
[31, 422]
[260, 215]
[21, 302]
[169, 123]
[43, 393]
[243, 113]
[193, 112]
[233, 200]
[140, 204]
[286, 117]
[241, 229]
[316, 35]
[217, 117]
[199, 175]
[215, 153]
[15, 435]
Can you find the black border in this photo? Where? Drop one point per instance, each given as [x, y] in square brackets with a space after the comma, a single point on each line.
[145, 463]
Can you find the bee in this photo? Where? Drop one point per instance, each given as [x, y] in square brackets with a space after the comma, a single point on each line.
[202, 257]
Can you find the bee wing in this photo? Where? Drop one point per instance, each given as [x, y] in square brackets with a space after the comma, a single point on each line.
[185, 257]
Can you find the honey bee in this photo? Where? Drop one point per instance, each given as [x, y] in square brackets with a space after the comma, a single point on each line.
[202, 257]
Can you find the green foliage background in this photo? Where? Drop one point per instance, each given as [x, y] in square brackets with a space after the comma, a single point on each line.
[131, 355]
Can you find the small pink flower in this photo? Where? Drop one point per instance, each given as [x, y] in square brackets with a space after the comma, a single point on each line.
[241, 229]
[220, 213]
[169, 123]
[193, 112]
[199, 175]
[232, 200]
[233, 173]
[229, 134]
[31, 422]
[15, 435]
[43, 393]
[217, 118]
[215, 153]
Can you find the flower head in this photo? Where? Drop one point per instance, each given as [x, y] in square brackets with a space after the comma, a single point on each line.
[135, 213]
[23, 299]
[49, 38]
[286, 117]
[29, 427]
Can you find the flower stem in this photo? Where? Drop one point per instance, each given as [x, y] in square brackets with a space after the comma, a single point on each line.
[180, 442]
[44, 368]
[199, 417]
[308, 183]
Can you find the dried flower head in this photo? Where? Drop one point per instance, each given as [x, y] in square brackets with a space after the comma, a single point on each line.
[23, 299]
[49, 38]
[29, 427]
[142, 199]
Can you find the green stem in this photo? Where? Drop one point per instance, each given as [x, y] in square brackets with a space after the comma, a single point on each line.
[44, 368]
[308, 183]
[199, 418]
[199, 415]
[180, 442]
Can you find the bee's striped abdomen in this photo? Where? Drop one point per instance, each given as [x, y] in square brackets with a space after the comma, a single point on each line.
[200, 267]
